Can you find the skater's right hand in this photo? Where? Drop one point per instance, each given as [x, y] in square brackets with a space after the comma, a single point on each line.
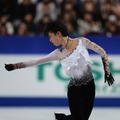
[9, 67]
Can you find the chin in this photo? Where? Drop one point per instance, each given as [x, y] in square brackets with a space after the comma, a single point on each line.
[56, 45]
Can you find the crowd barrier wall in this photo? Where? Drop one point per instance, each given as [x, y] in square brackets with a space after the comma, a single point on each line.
[46, 84]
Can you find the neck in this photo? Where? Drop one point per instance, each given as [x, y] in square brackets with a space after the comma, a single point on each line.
[65, 44]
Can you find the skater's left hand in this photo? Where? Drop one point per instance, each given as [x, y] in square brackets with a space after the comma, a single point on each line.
[109, 78]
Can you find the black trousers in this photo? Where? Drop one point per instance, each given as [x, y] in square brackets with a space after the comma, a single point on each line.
[81, 101]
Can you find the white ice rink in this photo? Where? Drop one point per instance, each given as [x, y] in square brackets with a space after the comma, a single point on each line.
[45, 113]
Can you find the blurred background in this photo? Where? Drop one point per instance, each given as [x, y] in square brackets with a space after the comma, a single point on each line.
[35, 93]
[28, 17]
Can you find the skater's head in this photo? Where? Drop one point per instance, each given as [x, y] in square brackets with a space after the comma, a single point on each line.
[56, 31]
[55, 27]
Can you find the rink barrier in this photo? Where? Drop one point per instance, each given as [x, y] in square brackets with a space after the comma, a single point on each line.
[41, 45]
[52, 102]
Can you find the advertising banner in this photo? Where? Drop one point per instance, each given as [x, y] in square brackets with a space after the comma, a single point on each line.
[47, 83]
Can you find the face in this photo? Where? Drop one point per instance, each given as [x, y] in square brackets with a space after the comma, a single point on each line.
[55, 38]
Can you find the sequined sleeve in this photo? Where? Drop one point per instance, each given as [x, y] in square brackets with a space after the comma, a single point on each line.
[96, 48]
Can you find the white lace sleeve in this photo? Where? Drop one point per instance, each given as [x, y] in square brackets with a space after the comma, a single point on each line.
[96, 48]
[93, 46]
[50, 57]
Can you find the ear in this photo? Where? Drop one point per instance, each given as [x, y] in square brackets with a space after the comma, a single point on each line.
[59, 33]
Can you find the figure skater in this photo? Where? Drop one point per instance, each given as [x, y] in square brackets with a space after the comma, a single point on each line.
[75, 60]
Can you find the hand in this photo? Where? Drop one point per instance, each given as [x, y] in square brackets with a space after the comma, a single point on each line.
[9, 67]
[109, 78]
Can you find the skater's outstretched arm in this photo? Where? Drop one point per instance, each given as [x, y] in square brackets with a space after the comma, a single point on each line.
[50, 57]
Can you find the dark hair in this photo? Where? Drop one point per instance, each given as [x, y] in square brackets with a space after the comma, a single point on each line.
[55, 27]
